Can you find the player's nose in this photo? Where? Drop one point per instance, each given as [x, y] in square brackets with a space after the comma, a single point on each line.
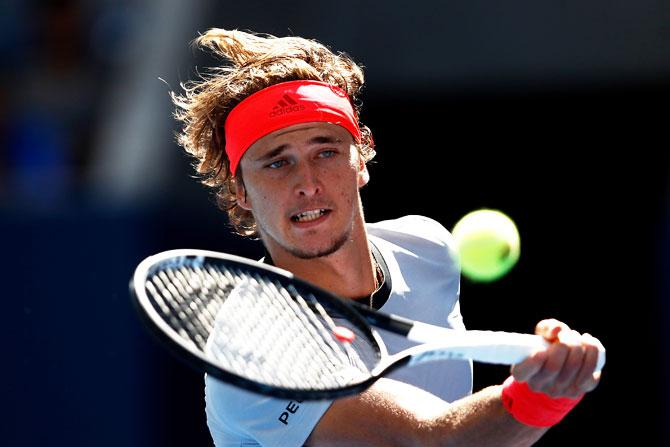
[306, 180]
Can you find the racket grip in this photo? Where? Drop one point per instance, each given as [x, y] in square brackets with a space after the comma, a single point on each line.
[505, 348]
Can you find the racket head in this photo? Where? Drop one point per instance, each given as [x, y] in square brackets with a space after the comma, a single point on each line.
[228, 316]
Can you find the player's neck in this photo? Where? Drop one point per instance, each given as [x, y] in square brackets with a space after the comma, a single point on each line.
[348, 272]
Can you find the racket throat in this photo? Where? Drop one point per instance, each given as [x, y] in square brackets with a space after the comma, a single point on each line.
[427, 333]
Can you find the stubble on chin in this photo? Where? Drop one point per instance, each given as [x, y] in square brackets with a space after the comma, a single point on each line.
[333, 245]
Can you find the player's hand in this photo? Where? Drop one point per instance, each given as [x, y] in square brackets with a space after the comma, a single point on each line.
[566, 368]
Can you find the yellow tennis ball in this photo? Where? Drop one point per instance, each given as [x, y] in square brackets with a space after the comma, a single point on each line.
[488, 245]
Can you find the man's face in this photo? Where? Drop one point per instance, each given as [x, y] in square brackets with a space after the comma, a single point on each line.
[302, 187]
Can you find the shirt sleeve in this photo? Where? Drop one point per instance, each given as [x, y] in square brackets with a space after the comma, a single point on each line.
[238, 417]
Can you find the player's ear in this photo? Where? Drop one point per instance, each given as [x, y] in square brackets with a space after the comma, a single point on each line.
[243, 200]
[363, 174]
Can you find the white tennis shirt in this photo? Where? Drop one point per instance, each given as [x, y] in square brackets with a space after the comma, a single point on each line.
[425, 282]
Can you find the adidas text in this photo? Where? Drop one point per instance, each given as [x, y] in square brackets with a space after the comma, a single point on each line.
[288, 109]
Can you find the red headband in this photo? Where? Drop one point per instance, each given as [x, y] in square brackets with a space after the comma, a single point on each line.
[282, 105]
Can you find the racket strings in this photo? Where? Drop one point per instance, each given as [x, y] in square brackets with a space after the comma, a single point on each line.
[257, 328]
[188, 301]
[324, 328]
[291, 345]
[331, 354]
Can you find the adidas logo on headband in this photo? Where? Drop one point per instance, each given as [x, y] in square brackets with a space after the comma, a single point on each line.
[286, 105]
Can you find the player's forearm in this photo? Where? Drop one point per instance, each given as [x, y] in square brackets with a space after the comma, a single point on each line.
[392, 413]
[480, 420]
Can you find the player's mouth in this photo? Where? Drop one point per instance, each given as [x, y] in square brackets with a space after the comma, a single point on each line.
[310, 215]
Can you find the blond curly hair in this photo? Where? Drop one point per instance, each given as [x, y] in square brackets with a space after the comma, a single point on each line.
[255, 62]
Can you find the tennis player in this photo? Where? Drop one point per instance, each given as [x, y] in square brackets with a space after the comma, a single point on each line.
[276, 133]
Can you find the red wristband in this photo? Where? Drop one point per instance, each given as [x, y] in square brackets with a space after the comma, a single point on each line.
[532, 408]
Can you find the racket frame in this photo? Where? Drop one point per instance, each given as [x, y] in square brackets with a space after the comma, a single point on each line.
[362, 316]
[197, 359]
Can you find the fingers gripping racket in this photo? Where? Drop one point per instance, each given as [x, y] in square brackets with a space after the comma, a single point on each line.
[260, 328]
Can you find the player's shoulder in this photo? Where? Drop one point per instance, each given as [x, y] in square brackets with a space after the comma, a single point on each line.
[412, 228]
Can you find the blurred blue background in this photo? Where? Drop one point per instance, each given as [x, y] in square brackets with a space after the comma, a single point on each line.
[554, 112]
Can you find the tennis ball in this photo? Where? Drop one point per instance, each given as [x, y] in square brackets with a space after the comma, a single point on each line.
[488, 245]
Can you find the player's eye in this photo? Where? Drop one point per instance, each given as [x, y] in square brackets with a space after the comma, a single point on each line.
[277, 164]
[328, 153]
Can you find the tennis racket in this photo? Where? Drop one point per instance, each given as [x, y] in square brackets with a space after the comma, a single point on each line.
[260, 328]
